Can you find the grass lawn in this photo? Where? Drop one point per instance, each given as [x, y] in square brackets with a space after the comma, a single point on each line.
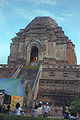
[20, 117]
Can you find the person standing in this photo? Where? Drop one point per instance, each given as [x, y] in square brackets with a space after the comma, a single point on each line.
[46, 110]
[40, 109]
[67, 112]
[63, 112]
[18, 109]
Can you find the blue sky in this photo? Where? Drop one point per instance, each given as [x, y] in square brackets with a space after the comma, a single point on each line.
[16, 14]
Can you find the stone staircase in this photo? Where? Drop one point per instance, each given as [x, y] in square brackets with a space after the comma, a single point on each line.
[28, 75]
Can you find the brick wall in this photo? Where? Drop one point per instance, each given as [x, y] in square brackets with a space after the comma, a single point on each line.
[71, 57]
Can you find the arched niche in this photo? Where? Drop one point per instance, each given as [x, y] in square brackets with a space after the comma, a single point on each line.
[34, 54]
[34, 46]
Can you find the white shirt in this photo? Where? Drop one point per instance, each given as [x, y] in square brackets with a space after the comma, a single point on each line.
[17, 111]
[40, 110]
[46, 109]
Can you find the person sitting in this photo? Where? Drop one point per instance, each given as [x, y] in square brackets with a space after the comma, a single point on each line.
[72, 116]
[35, 111]
[8, 108]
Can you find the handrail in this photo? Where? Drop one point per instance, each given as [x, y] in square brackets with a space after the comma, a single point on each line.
[36, 84]
[17, 72]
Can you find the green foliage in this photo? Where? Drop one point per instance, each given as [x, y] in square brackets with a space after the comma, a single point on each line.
[76, 104]
[19, 117]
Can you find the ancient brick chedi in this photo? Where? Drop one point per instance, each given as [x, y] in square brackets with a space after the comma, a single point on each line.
[56, 76]
[44, 36]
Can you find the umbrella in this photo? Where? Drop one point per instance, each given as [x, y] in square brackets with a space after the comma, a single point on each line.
[12, 86]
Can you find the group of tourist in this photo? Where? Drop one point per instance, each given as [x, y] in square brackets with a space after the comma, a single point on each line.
[68, 114]
[6, 109]
[40, 111]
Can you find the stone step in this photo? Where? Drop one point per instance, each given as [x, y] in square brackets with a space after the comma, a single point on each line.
[60, 81]
[59, 86]
[27, 75]
[53, 90]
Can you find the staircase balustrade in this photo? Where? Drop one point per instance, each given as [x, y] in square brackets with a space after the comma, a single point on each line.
[17, 72]
[36, 83]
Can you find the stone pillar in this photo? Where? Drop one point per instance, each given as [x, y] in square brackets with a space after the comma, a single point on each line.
[40, 56]
[28, 57]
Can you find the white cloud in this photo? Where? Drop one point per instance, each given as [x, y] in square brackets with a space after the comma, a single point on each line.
[48, 2]
[3, 2]
[24, 13]
[3, 23]
[48, 13]
[3, 26]
[66, 13]
[31, 14]
[59, 18]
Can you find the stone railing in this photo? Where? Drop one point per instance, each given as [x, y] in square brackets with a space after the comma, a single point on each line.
[17, 71]
[36, 83]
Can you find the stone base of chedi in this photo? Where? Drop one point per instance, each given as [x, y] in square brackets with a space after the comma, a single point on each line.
[44, 59]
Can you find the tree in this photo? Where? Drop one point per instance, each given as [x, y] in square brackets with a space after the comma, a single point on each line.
[75, 106]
